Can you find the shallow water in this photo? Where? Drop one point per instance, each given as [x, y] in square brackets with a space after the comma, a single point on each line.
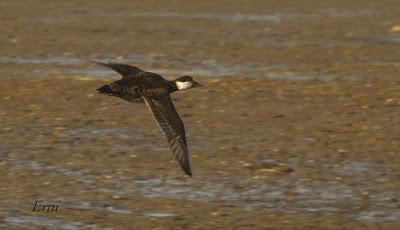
[34, 222]
[250, 17]
[69, 66]
[309, 196]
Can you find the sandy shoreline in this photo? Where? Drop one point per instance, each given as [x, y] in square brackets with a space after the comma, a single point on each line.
[305, 139]
[297, 129]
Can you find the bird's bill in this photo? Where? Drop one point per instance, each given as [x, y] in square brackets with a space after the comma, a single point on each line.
[197, 84]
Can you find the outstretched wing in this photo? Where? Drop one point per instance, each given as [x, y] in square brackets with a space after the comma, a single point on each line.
[172, 126]
[124, 70]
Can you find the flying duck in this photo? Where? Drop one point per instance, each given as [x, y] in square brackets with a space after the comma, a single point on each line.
[139, 86]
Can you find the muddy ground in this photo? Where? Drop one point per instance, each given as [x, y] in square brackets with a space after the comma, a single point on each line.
[298, 127]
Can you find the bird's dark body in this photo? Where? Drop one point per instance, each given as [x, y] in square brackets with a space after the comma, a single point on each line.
[139, 86]
[133, 87]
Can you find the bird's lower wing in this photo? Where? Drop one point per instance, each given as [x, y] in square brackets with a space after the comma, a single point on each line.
[172, 127]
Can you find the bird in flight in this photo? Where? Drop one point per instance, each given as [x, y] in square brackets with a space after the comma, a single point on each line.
[139, 86]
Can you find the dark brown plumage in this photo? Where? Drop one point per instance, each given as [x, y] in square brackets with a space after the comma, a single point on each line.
[139, 86]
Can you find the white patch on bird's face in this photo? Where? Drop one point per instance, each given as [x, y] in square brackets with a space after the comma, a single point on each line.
[182, 85]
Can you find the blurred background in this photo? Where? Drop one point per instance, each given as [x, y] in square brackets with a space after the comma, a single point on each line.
[297, 128]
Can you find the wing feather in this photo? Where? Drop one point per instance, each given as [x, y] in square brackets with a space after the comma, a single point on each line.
[172, 127]
[124, 70]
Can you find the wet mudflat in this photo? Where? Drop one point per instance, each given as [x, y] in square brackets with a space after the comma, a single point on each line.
[298, 126]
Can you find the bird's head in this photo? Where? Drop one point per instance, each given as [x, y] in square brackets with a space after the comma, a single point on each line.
[186, 82]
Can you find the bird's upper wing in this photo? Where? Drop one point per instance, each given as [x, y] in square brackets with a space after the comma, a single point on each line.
[124, 70]
[172, 126]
